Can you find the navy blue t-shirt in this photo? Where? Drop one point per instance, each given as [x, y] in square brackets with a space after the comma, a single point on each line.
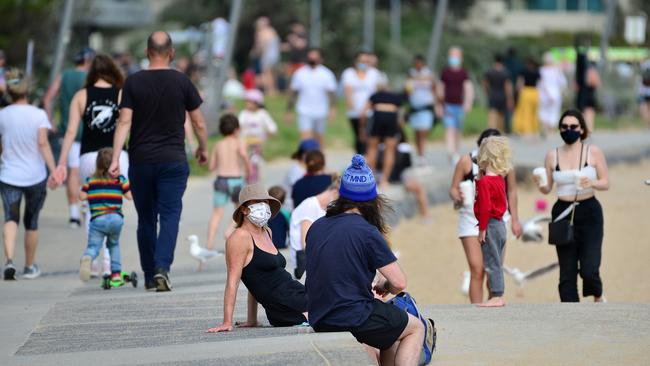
[309, 186]
[279, 226]
[343, 254]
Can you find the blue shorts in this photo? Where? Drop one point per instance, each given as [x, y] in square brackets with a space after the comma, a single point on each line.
[454, 116]
[227, 189]
[421, 120]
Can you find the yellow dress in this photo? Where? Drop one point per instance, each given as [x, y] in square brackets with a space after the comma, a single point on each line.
[525, 120]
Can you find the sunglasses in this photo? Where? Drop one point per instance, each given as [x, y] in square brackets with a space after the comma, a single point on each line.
[569, 127]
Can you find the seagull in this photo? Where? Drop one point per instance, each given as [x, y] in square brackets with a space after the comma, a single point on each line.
[200, 253]
[532, 230]
[521, 278]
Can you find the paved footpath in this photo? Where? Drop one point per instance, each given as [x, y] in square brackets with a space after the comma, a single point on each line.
[57, 320]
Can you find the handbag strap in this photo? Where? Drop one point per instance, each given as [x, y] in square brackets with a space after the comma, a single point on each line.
[575, 199]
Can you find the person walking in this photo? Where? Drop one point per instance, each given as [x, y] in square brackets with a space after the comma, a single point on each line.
[266, 50]
[587, 81]
[551, 85]
[95, 108]
[467, 169]
[66, 86]
[348, 243]
[421, 89]
[578, 170]
[525, 121]
[499, 91]
[153, 107]
[314, 87]
[458, 95]
[26, 153]
[359, 83]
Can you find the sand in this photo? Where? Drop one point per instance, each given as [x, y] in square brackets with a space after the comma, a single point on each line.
[433, 258]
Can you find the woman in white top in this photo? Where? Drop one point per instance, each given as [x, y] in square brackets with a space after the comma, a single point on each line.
[578, 170]
[467, 170]
[310, 210]
[359, 83]
[550, 87]
[25, 154]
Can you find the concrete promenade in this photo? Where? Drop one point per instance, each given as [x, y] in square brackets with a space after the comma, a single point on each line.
[57, 320]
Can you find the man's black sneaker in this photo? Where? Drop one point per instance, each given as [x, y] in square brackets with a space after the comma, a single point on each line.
[162, 281]
[10, 271]
[150, 286]
[74, 223]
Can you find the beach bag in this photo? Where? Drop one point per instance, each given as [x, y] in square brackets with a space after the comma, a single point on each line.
[406, 302]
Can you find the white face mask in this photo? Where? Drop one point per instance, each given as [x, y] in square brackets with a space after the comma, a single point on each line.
[259, 214]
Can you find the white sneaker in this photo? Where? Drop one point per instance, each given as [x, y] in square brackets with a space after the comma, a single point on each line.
[85, 268]
[94, 269]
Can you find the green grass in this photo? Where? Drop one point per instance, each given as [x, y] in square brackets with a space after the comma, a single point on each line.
[339, 133]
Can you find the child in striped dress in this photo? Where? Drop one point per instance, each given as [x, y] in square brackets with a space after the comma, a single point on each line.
[104, 194]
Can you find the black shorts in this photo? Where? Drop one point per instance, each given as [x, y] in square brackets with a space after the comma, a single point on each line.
[34, 200]
[384, 127]
[381, 330]
[286, 304]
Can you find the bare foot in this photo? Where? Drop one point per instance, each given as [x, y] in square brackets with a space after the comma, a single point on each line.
[495, 302]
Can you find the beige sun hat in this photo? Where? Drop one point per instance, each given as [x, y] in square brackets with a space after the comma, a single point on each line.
[255, 192]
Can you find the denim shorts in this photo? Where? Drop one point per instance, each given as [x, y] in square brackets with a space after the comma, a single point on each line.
[421, 120]
[454, 116]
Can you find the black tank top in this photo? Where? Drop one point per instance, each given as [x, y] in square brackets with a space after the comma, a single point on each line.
[264, 273]
[99, 118]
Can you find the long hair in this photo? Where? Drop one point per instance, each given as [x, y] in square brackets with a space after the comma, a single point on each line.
[104, 157]
[103, 67]
[372, 211]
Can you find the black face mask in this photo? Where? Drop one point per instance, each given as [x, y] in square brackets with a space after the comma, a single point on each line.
[312, 63]
[570, 136]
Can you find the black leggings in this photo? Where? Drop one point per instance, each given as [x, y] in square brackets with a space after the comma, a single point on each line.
[583, 256]
[359, 145]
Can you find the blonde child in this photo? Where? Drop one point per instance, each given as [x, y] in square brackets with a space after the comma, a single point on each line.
[226, 159]
[494, 161]
[256, 125]
[104, 194]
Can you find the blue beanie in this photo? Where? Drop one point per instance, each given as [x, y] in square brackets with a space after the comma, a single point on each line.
[358, 183]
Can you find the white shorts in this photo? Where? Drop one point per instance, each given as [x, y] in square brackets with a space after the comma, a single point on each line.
[73, 155]
[88, 162]
[468, 224]
[309, 123]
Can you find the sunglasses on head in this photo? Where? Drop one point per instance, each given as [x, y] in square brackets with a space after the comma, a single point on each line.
[569, 127]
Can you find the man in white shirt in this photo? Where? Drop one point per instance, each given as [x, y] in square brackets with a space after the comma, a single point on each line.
[359, 83]
[312, 91]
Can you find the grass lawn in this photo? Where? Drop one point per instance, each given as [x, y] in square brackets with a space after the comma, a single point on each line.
[339, 133]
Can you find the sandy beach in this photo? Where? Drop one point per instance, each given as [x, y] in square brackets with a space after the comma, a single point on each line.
[434, 260]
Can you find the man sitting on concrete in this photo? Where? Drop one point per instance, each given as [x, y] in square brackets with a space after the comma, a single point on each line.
[344, 250]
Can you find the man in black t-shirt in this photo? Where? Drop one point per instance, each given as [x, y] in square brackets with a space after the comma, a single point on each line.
[153, 107]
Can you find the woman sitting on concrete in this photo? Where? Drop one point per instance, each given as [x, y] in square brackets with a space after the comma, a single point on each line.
[252, 258]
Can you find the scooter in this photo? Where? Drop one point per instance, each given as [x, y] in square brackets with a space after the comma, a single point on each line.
[126, 277]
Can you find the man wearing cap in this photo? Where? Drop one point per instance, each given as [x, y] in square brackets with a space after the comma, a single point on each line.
[152, 111]
[344, 250]
[66, 86]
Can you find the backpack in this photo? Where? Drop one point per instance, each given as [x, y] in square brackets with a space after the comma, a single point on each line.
[406, 302]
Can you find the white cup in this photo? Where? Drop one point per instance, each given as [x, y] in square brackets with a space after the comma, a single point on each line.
[467, 190]
[541, 174]
[578, 179]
